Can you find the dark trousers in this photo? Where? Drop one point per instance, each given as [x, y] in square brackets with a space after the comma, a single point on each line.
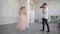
[45, 21]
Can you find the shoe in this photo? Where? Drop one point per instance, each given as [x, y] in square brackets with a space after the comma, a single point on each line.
[47, 31]
[41, 30]
[17, 30]
[26, 29]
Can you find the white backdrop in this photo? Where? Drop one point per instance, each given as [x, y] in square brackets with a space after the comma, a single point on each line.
[9, 10]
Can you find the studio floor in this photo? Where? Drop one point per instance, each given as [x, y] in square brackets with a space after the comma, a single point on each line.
[34, 29]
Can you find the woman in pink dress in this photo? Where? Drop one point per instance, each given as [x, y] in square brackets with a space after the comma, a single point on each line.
[22, 22]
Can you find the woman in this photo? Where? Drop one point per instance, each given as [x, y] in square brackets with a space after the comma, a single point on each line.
[22, 22]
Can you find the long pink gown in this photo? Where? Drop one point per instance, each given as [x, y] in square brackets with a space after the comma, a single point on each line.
[22, 22]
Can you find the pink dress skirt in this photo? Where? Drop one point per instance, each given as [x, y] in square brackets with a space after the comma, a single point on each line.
[22, 22]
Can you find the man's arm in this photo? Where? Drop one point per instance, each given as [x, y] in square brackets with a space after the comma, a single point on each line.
[43, 10]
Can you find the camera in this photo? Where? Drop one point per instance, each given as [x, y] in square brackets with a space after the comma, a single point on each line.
[42, 6]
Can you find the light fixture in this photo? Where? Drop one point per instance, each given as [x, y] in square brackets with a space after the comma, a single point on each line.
[36, 0]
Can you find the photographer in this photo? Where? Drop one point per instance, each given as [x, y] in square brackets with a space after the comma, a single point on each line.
[45, 16]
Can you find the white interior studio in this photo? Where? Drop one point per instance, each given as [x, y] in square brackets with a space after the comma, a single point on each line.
[12, 11]
[9, 10]
[54, 12]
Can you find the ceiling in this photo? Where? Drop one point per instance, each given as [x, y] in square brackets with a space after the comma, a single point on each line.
[38, 1]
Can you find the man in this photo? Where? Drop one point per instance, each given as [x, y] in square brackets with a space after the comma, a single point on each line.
[45, 16]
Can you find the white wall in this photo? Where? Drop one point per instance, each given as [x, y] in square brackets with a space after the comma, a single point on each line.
[9, 10]
[53, 5]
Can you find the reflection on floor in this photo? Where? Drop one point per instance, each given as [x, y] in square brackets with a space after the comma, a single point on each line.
[34, 29]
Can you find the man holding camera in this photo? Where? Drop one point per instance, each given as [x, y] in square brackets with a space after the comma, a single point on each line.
[45, 16]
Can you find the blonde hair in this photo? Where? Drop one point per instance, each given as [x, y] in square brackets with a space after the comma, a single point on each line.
[21, 9]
